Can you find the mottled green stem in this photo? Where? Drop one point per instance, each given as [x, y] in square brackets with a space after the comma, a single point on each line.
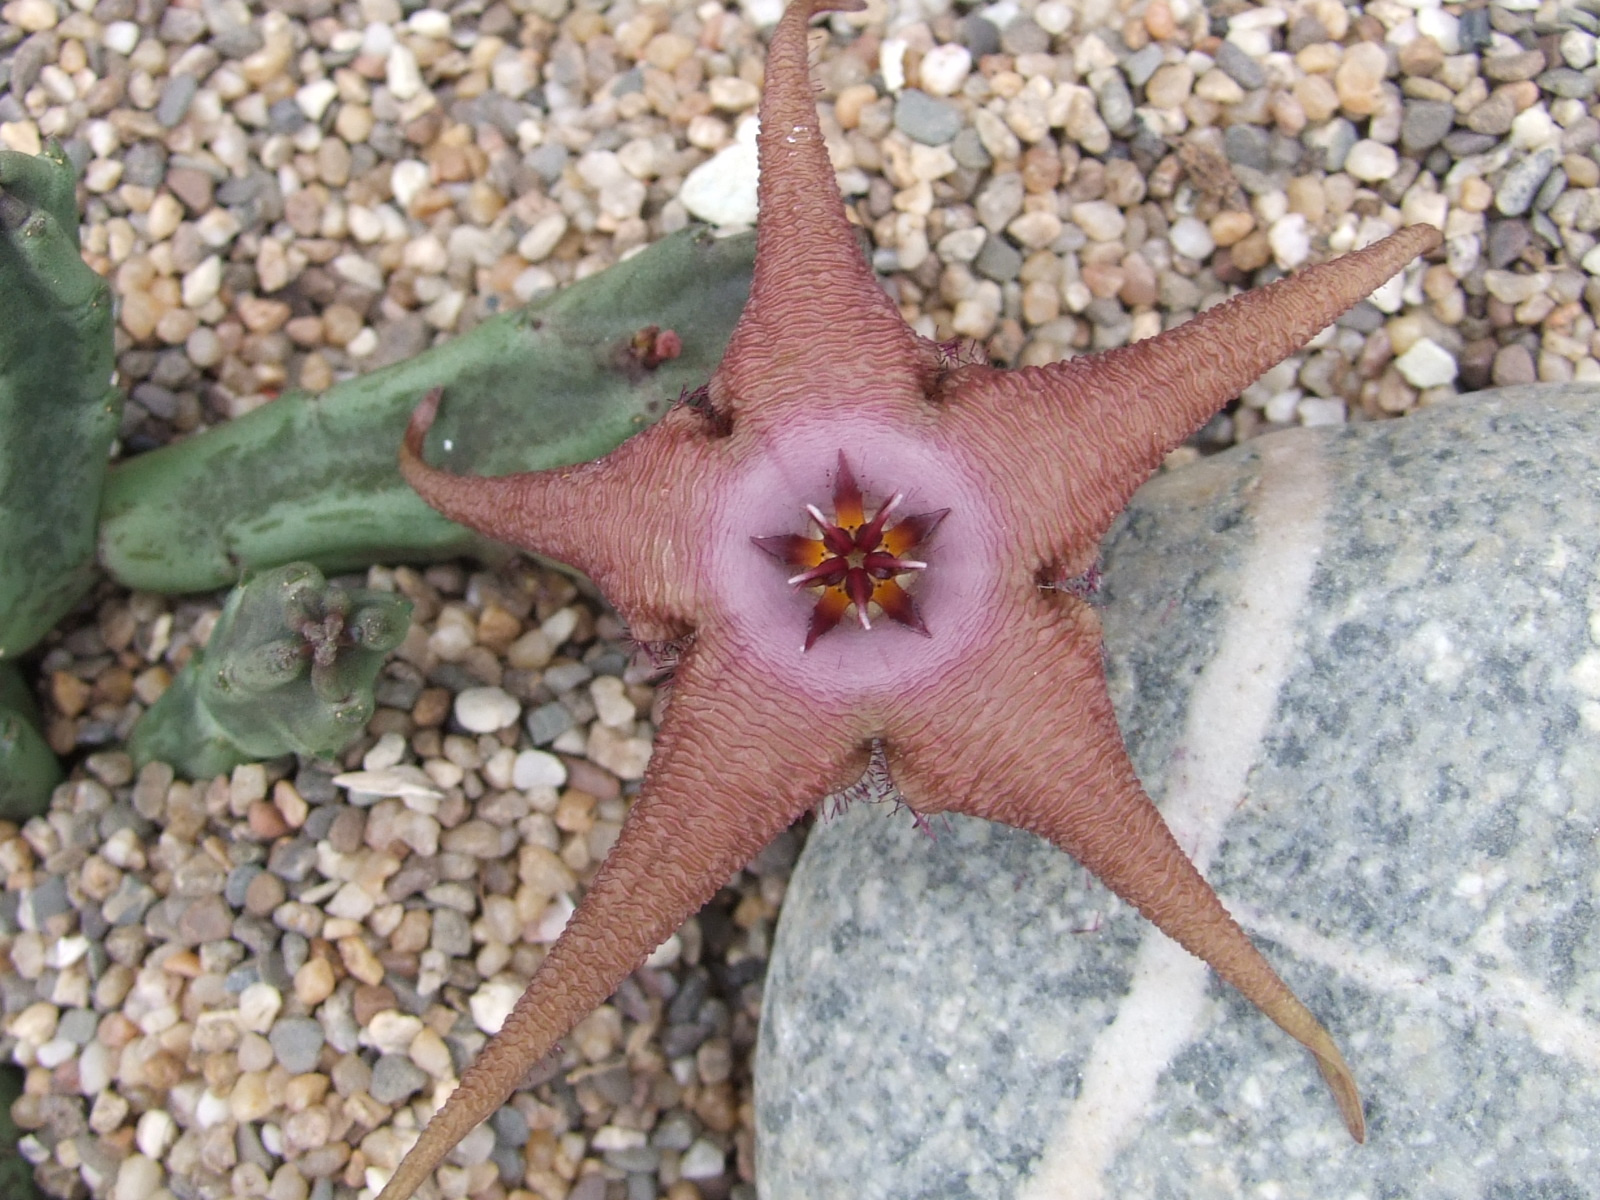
[289, 668]
[313, 478]
[29, 771]
[58, 410]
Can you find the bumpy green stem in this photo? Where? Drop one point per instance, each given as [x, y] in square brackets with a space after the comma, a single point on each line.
[29, 772]
[58, 411]
[313, 478]
[289, 667]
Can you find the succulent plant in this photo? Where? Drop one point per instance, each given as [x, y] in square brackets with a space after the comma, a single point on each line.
[29, 771]
[313, 477]
[58, 410]
[289, 668]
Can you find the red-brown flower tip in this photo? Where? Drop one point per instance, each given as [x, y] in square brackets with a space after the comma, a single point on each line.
[854, 560]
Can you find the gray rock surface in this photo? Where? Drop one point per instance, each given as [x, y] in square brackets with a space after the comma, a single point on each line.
[1359, 669]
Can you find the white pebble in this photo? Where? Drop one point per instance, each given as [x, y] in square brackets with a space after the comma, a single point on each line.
[351, 902]
[1578, 49]
[1533, 129]
[1191, 238]
[121, 36]
[722, 190]
[945, 69]
[1370, 161]
[553, 920]
[402, 74]
[537, 243]
[892, 63]
[200, 286]
[258, 1007]
[155, 1132]
[1290, 239]
[63, 952]
[535, 768]
[314, 98]
[1426, 364]
[702, 1161]
[407, 179]
[406, 782]
[962, 245]
[386, 753]
[430, 23]
[391, 1032]
[352, 268]
[492, 1003]
[1443, 27]
[611, 703]
[137, 1178]
[1101, 220]
[1321, 410]
[487, 709]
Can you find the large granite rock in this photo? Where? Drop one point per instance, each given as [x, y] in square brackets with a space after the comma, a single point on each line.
[1360, 671]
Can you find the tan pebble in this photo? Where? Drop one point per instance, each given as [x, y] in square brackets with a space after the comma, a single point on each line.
[1360, 77]
[1140, 288]
[264, 894]
[1316, 97]
[262, 316]
[340, 324]
[1227, 228]
[1582, 171]
[412, 934]
[360, 961]
[1251, 252]
[175, 326]
[369, 1000]
[314, 982]
[290, 803]
[497, 628]
[304, 331]
[1170, 85]
[183, 963]
[575, 812]
[31, 16]
[847, 108]
[1319, 58]
[316, 373]
[250, 1099]
[430, 1053]
[1217, 86]
[431, 708]
[1288, 114]
[1421, 56]
[1307, 198]
[1159, 22]
[667, 51]
[69, 693]
[303, 1091]
[1476, 195]
[354, 123]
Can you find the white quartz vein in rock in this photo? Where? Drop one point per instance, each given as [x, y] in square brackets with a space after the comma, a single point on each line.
[1230, 710]
[1467, 994]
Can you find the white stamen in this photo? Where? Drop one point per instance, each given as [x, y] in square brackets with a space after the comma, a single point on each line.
[909, 564]
[894, 503]
[816, 515]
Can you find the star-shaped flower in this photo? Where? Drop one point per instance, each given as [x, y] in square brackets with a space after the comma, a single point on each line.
[985, 689]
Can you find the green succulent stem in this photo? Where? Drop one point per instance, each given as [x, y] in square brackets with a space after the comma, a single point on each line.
[289, 668]
[29, 771]
[58, 410]
[313, 477]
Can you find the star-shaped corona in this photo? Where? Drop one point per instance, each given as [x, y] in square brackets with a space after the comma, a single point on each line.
[854, 560]
[990, 701]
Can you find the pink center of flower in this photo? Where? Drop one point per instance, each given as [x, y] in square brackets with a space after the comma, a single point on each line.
[855, 560]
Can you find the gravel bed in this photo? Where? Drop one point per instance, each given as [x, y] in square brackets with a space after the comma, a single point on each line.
[256, 985]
